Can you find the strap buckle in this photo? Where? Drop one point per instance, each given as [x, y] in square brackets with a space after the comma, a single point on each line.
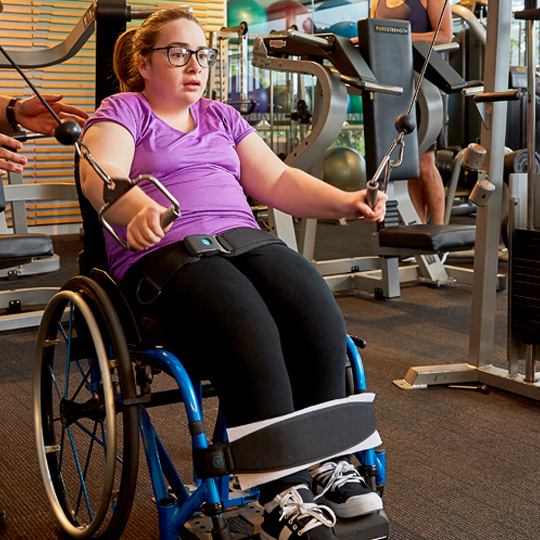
[204, 245]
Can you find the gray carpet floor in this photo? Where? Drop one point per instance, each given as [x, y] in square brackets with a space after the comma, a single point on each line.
[461, 465]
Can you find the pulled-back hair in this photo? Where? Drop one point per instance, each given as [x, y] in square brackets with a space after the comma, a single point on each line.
[138, 41]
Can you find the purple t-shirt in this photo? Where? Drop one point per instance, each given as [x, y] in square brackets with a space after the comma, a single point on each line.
[201, 169]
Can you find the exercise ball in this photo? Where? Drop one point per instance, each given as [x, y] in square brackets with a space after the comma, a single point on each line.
[248, 11]
[256, 93]
[321, 29]
[334, 11]
[347, 29]
[284, 14]
[344, 168]
[282, 98]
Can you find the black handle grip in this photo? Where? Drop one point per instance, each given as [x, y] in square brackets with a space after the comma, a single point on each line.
[372, 189]
[310, 40]
[25, 136]
[489, 97]
[168, 216]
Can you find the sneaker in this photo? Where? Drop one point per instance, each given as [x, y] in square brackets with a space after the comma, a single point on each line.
[341, 487]
[294, 513]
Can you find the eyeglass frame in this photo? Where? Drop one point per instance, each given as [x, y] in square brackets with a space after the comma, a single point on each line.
[191, 53]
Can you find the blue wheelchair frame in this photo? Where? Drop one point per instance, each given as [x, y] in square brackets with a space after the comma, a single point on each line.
[96, 355]
[214, 491]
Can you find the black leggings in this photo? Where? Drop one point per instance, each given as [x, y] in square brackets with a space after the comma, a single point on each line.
[263, 327]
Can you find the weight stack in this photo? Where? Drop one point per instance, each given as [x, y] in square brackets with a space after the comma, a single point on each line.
[525, 279]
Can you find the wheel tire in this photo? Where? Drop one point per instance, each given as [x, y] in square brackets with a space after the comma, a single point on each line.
[87, 440]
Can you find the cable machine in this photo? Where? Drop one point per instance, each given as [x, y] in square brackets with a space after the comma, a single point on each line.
[523, 293]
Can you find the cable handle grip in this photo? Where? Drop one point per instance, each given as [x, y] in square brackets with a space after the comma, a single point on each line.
[372, 192]
[169, 216]
[123, 186]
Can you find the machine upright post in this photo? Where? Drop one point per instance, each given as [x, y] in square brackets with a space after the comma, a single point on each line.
[111, 17]
[531, 114]
[531, 349]
[489, 218]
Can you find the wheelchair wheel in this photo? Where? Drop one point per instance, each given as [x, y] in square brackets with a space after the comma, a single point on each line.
[86, 429]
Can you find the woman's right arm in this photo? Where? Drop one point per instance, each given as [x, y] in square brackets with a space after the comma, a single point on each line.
[113, 147]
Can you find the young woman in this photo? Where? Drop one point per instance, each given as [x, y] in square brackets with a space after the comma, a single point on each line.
[262, 325]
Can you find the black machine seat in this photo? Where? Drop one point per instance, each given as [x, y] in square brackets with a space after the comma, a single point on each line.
[430, 238]
[16, 249]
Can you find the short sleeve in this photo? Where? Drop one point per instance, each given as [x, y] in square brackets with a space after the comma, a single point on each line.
[120, 109]
[238, 125]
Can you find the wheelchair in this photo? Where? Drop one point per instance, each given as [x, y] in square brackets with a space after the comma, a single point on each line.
[94, 371]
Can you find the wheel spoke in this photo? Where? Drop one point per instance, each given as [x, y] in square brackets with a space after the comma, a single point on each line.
[88, 456]
[81, 476]
[68, 340]
[93, 436]
[54, 381]
[84, 381]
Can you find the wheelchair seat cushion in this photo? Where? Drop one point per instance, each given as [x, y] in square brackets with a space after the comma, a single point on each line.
[431, 238]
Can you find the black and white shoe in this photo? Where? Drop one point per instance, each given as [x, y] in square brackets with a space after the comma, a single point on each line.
[340, 486]
[293, 514]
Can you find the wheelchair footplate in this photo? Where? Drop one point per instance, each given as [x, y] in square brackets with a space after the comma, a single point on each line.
[245, 522]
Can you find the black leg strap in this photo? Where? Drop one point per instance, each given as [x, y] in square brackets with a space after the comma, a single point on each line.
[293, 441]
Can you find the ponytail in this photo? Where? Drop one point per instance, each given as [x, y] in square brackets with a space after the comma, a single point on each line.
[125, 63]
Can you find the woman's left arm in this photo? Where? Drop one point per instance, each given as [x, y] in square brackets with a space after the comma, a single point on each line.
[268, 179]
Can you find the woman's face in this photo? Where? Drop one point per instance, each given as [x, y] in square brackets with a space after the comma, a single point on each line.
[175, 85]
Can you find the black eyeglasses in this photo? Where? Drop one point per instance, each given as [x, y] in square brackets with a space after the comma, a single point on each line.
[179, 56]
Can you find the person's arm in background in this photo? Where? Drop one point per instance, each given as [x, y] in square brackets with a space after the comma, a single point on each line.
[34, 116]
[373, 8]
[434, 10]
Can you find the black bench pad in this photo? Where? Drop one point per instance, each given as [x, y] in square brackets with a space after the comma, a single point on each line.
[24, 246]
[429, 237]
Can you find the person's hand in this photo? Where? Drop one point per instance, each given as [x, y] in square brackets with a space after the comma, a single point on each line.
[360, 203]
[16, 161]
[33, 115]
[144, 230]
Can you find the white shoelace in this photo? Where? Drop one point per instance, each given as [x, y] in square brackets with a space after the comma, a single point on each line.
[335, 475]
[294, 507]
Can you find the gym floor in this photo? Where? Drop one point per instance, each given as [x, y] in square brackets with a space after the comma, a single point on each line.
[461, 465]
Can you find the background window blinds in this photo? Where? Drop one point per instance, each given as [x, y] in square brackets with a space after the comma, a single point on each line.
[38, 24]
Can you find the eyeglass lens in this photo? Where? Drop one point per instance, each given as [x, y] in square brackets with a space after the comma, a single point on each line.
[179, 56]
